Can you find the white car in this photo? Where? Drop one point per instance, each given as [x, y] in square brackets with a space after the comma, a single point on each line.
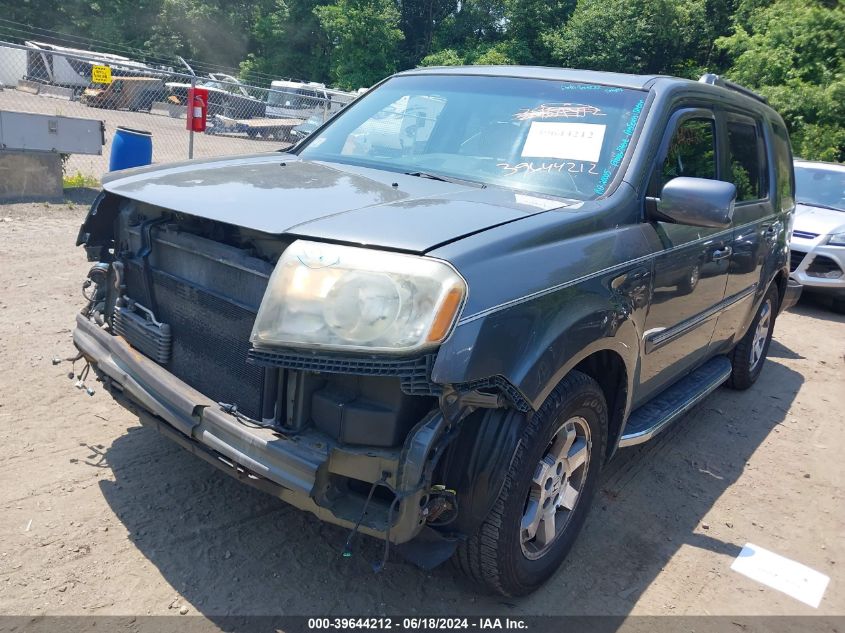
[818, 237]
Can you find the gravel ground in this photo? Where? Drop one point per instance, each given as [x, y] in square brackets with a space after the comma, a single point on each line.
[101, 516]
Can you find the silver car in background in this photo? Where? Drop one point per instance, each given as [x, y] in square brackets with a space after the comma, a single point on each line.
[818, 237]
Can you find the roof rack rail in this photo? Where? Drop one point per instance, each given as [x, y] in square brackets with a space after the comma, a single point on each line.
[716, 80]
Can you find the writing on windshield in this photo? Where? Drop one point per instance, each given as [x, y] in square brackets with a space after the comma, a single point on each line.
[564, 139]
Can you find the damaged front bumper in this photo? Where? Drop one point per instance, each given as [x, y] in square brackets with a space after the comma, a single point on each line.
[308, 470]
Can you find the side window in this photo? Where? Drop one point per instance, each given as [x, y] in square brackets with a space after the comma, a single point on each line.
[692, 151]
[748, 167]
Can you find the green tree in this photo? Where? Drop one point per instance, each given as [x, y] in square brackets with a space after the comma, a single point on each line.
[443, 57]
[529, 21]
[636, 36]
[639, 36]
[287, 41]
[364, 37]
[472, 28]
[793, 52]
[214, 31]
[419, 20]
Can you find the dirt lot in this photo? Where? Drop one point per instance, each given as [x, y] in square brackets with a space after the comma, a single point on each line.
[101, 516]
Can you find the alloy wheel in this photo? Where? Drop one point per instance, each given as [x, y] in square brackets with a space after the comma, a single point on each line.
[555, 488]
[761, 334]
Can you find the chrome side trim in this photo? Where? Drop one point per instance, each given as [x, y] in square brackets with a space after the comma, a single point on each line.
[661, 338]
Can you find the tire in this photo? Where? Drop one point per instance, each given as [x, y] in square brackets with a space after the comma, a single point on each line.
[690, 281]
[749, 355]
[838, 305]
[501, 555]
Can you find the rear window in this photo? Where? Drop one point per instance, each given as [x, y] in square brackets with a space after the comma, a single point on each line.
[783, 166]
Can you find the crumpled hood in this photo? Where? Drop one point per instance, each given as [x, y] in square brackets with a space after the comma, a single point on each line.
[818, 220]
[279, 193]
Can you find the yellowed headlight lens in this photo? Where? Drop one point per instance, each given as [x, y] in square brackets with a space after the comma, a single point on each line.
[343, 297]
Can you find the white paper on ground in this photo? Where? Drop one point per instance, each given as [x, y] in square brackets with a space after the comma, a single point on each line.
[573, 141]
[777, 572]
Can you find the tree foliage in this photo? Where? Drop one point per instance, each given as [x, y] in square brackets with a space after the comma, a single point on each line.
[288, 41]
[793, 52]
[790, 50]
[619, 35]
[364, 36]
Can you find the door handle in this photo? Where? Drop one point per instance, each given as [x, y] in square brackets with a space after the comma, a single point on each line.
[722, 254]
[771, 230]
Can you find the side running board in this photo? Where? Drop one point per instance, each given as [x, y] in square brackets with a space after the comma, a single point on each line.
[655, 415]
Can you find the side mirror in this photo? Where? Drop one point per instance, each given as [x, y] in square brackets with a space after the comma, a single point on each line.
[697, 202]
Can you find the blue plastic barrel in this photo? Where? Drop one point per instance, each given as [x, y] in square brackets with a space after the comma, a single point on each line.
[130, 148]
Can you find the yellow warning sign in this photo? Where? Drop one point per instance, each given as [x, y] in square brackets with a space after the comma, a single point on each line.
[100, 74]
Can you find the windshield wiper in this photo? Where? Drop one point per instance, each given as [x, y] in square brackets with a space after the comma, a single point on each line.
[457, 181]
[820, 205]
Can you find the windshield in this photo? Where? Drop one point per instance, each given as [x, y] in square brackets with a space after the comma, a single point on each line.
[820, 186]
[559, 138]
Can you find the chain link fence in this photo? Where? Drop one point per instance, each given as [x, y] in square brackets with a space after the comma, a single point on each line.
[58, 81]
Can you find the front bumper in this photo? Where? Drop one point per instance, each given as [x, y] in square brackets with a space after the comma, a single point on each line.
[809, 258]
[303, 470]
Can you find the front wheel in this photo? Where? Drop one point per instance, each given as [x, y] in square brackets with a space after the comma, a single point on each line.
[750, 353]
[546, 494]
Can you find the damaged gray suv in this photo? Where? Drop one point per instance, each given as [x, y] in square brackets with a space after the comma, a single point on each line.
[435, 319]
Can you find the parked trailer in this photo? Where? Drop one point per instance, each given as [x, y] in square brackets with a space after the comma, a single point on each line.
[269, 129]
[125, 93]
[71, 67]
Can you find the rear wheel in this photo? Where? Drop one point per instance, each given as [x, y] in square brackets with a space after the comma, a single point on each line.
[546, 494]
[750, 353]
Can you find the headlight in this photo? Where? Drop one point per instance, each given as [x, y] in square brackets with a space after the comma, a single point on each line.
[837, 239]
[346, 298]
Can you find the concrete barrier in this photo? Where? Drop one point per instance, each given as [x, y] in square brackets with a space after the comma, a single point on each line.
[56, 92]
[30, 176]
[32, 87]
[163, 108]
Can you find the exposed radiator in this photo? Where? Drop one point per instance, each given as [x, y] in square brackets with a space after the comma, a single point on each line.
[209, 328]
[143, 332]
